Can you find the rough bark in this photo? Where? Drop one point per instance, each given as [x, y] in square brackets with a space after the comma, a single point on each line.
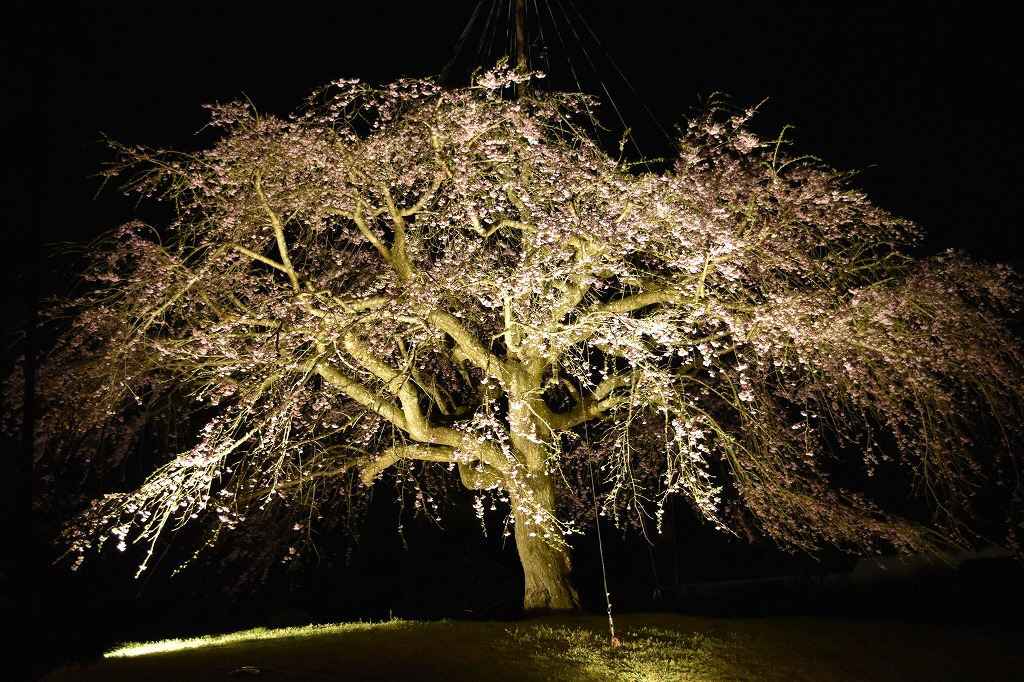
[548, 573]
[547, 567]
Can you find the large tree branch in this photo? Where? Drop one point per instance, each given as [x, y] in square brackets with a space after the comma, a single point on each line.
[394, 255]
[348, 306]
[573, 294]
[432, 389]
[592, 318]
[400, 259]
[476, 475]
[468, 344]
[395, 454]
[480, 476]
[362, 395]
[364, 228]
[278, 226]
[594, 405]
[628, 304]
[506, 222]
[261, 258]
[393, 379]
[416, 424]
[427, 196]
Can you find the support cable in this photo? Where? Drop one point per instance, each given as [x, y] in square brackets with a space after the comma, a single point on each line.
[462, 41]
[489, 35]
[600, 550]
[619, 71]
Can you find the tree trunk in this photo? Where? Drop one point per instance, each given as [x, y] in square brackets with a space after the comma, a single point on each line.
[546, 562]
[546, 565]
[548, 575]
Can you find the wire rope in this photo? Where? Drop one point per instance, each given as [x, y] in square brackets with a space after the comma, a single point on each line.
[461, 42]
[492, 26]
[618, 70]
[600, 548]
[545, 66]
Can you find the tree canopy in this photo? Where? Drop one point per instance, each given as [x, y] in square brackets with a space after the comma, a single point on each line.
[423, 283]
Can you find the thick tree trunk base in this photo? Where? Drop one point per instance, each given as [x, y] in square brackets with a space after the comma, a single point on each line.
[548, 573]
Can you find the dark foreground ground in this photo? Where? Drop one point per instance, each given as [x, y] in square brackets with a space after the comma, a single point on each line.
[973, 614]
[653, 647]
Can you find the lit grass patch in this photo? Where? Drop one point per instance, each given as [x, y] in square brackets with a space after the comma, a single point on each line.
[132, 649]
[645, 653]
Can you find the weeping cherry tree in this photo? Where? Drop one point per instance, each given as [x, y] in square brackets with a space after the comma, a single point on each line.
[417, 284]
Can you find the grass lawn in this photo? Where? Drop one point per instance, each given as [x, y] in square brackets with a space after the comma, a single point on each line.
[657, 646]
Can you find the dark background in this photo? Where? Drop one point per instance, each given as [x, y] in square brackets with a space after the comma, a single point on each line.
[922, 97]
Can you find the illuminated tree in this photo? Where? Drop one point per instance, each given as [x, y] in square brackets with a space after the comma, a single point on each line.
[412, 281]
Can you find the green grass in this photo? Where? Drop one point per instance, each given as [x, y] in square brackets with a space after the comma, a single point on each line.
[653, 647]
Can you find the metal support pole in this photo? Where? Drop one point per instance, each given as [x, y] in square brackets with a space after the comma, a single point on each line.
[521, 35]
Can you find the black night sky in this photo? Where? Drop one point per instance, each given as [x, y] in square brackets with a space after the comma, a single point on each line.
[920, 96]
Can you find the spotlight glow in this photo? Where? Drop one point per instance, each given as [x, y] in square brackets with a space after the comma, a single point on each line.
[134, 649]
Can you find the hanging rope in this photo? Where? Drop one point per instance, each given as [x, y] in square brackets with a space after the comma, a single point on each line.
[622, 75]
[462, 41]
[563, 17]
[600, 551]
[485, 44]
